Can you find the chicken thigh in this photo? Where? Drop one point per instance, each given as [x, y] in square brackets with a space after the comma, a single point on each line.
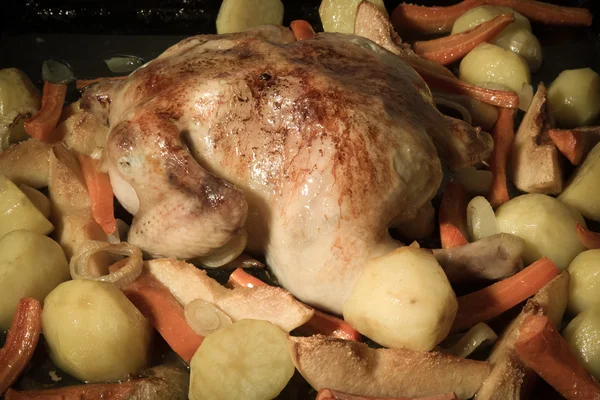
[315, 147]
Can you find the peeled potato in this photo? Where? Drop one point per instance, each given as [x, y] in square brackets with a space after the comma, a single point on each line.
[39, 200]
[248, 360]
[18, 212]
[545, 224]
[490, 64]
[516, 37]
[584, 289]
[583, 191]
[402, 299]
[31, 265]
[94, 332]
[583, 336]
[339, 15]
[241, 15]
[574, 97]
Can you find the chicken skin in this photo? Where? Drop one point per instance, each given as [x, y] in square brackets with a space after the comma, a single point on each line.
[314, 147]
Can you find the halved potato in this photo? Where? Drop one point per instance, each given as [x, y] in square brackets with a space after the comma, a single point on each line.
[241, 15]
[248, 360]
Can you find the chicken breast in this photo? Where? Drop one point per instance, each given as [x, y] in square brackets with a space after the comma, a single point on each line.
[316, 147]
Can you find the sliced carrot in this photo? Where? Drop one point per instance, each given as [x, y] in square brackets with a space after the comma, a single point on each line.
[504, 136]
[589, 239]
[543, 349]
[21, 341]
[99, 391]
[422, 19]
[330, 394]
[42, 124]
[83, 83]
[157, 304]
[320, 323]
[498, 98]
[453, 216]
[575, 143]
[302, 29]
[449, 49]
[101, 193]
[495, 299]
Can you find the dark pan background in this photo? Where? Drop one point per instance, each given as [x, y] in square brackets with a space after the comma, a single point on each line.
[85, 32]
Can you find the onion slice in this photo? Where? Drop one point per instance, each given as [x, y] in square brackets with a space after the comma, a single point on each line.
[481, 220]
[478, 336]
[86, 265]
[442, 103]
[204, 317]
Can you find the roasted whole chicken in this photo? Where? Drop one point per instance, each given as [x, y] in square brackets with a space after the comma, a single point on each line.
[315, 148]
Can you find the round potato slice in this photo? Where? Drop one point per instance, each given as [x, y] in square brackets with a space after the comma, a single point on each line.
[584, 287]
[247, 360]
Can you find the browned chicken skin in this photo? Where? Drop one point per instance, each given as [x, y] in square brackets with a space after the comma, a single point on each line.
[317, 147]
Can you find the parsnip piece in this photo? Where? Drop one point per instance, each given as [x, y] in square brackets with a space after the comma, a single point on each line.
[488, 63]
[94, 332]
[241, 15]
[545, 224]
[534, 164]
[27, 163]
[353, 367]
[402, 299]
[19, 100]
[248, 360]
[18, 212]
[574, 97]
[31, 265]
[340, 15]
[82, 131]
[582, 336]
[269, 303]
[585, 280]
[583, 191]
[510, 379]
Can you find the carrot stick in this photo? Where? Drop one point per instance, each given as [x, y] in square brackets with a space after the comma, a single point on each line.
[498, 98]
[99, 391]
[541, 347]
[101, 193]
[449, 49]
[422, 19]
[83, 83]
[42, 124]
[21, 341]
[453, 216]
[330, 394]
[155, 302]
[322, 323]
[589, 239]
[504, 136]
[493, 300]
[302, 29]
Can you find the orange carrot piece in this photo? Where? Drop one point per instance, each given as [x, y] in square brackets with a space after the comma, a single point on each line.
[42, 124]
[453, 216]
[495, 299]
[570, 142]
[302, 29]
[330, 394]
[98, 391]
[449, 49]
[83, 83]
[101, 193]
[504, 136]
[543, 349]
[422, 19]
[156, 303]
[498, 98]
[589, 239]
[321, 322]
[21, 341]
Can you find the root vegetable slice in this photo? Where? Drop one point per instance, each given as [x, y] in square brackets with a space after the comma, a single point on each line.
[27, 163]
[248, 360]
[353, 367]
[328, 394]
[510, 379]
[589, 239]
[188, 283]
[535, 166]
[453, 216]
[504, 136]
[575, 143]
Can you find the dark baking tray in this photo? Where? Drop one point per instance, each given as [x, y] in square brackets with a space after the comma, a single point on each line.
[85, 32]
